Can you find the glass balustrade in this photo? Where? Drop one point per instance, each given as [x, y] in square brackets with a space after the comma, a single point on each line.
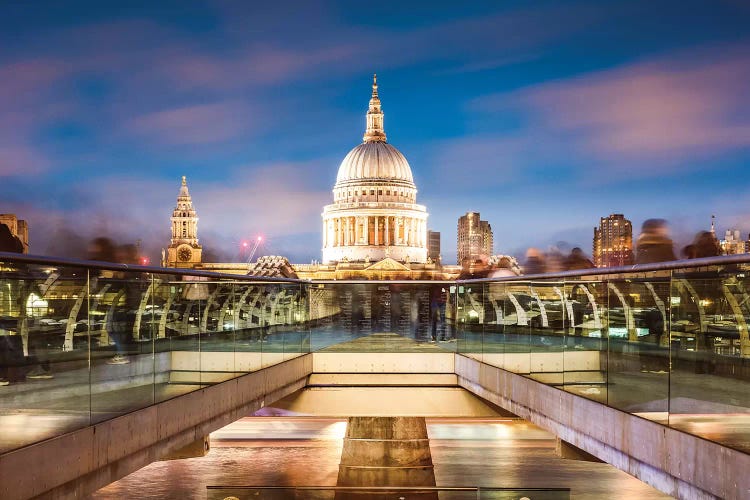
[670, 345]
[381, 316]
[81, 343]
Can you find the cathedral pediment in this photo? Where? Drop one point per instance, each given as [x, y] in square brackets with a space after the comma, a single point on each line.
[388, 264]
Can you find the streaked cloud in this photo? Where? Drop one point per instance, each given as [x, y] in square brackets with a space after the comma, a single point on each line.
[99, 111]
[24, 84]
[493, 159]
[278, 201]
[197, 124]
[645, 118]
[20, 160]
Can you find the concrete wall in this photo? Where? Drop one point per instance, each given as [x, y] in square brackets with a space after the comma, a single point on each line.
[542, 362]
[82, 461]
[208, 361]
[679, 464]
[79, 462]
[383, 362]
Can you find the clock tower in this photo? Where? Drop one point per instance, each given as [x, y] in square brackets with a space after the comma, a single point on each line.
[184, 250]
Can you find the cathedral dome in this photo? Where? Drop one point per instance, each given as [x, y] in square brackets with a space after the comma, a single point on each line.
[374, 214]
[376, 160]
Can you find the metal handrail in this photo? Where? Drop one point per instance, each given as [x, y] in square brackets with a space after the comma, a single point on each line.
[635, 268]
[113, 266]
[596, 271]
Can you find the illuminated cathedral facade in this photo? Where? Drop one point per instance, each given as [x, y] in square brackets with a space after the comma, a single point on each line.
[374, 214]
[374, 229]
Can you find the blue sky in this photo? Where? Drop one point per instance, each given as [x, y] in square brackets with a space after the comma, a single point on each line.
[543, 116]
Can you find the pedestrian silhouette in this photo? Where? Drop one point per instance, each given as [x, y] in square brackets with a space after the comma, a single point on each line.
[654, 243]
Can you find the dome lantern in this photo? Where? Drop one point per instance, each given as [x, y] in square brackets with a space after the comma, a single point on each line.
[374, 131]
[374, 159]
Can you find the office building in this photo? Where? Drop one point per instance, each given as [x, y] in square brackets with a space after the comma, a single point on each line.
[433, 245]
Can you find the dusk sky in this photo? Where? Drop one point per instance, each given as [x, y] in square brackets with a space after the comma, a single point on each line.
[543, 116]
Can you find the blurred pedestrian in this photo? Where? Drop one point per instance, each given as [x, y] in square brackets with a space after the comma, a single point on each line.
[120, 320]
[534, 262]
[554, 260]
[654, 243]
[438, 301]
[126, 254]
[577, 260]
[506, 266]
[11, 353]
[8, 242]
[102, 249]
[704, 245]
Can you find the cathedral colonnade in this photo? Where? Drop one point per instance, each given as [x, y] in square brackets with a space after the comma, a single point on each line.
[374, 230]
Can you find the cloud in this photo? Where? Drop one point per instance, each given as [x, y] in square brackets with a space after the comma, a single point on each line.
[646, 118]
[315, 51]
[281, 201]
[462, 162]
[276, 200]
[170, 87]
[24, 80]
[494, 36]
[491, 63]
[21, 161]
[253, 65]
[25, 84]
[198, 124]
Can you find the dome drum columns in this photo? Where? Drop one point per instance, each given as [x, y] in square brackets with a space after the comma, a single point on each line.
[374, 230]
[375, 237]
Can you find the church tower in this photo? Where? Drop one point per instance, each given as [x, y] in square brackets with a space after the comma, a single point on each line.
[184, 250]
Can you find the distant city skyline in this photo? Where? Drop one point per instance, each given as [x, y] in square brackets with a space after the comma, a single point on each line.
[541, 117]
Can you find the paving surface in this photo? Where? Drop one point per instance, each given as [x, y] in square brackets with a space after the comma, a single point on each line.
[306, 452]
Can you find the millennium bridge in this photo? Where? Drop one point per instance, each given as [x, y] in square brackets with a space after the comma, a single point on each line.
[106, 368]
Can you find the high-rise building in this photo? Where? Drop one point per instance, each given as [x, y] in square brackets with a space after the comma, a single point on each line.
[613, 242]
[433, 245]
[18, 228]
[184, 250]
[474, 239]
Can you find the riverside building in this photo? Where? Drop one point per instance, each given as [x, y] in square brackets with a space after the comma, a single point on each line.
[613, 242]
